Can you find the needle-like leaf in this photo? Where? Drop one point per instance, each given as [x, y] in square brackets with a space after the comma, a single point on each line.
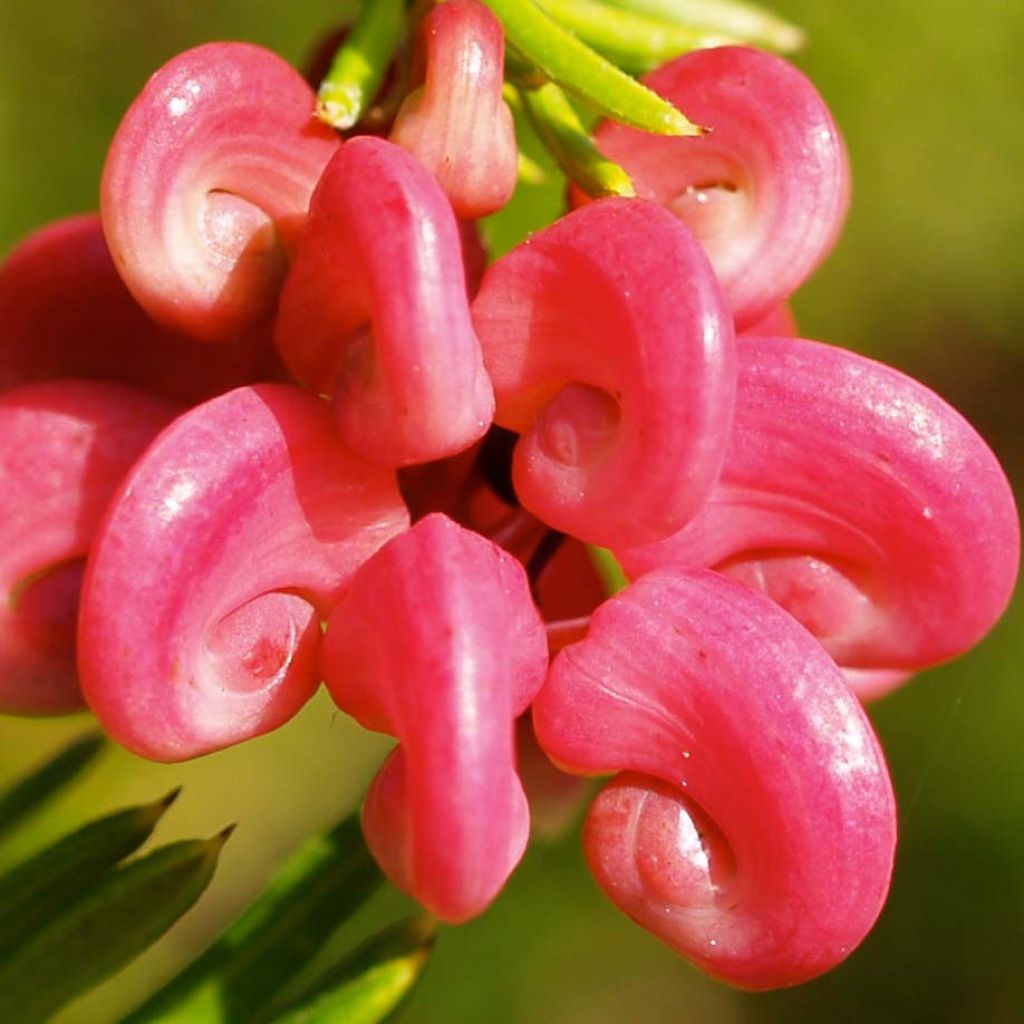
[35, 892]
[100, 934]
[26, 795]
[572, 64]
[323, 884]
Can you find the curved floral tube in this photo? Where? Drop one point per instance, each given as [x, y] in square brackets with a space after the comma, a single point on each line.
[65, 312]
[611, 351]
[225, 546]
[778, 322]
[206, 187]
[753, 830]
[457, 124]
[862, 503]
[64, 447]
[765, 190]
[437, 642]
[375, 310]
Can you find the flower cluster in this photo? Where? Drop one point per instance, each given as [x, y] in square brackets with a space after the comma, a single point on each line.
[266, 422]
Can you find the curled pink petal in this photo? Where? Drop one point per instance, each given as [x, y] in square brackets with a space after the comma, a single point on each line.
[375, 310]
[65, 312]
[225, 546]
[458, 124]
[754, 829]
[64, 447]
[207, 184]
[437, 642]
[862, 503]
[765, 190]
[611, 351]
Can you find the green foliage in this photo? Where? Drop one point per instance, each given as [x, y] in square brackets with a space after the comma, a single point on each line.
[370, 984]
[36, 892]
[360, 65]
[74, 913]
[570, 63]
[244, 972]
[26, 795]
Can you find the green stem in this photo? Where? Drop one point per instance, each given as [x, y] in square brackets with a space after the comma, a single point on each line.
[359, 67]
[633, 41]
[608, 569]
[745, 21]
[572, 64]
[558, 127]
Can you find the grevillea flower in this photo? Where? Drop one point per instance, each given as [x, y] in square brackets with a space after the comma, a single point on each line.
[753, 825]
[611, 351]
[64, 447]
[206, 187]
[458, 124]
[848, 495]
[375, 310]
[797, 520]
[65, 312]
[226, 544]
[765, 190]
[437, 642]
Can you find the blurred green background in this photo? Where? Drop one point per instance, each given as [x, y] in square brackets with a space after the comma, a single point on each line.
[929, 275]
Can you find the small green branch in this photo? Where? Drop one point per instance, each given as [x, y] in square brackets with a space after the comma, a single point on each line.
[579, 70]
[359, 67]
[634, 41]
[608, 569]
[558, 127]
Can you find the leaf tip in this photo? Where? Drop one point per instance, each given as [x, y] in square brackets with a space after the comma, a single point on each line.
[217, 841]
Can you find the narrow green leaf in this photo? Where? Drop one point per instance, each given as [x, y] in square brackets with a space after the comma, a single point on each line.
[28, 794]
[635, 42]
[574, 66]
[309, 898]
[369, 984]
[609, 570]
[745, 21]
[358, 69]
[97, 936]
[36, 891]
[558, 127]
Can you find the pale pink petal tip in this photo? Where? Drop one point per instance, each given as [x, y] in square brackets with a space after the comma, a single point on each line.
[458, 124]
[206, 187]
[612, 353]
[438, 643]
[375, 311]
[226, 545]
[754, 826]
[64, 447]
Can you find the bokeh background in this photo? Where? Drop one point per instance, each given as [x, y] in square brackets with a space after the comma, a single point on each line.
[929, 276]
